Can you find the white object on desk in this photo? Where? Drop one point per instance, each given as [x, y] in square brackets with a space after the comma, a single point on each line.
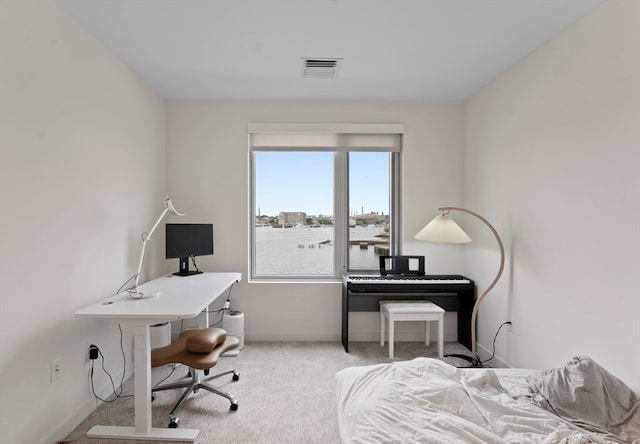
[170, 298]
[233, 324]
[160, 335]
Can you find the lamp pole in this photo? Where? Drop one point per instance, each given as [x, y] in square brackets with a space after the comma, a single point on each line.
[474, 313]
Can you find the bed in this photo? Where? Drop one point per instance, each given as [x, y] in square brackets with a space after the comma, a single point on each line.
[429, 401]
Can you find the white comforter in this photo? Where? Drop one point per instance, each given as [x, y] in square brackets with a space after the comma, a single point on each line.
[429, 401]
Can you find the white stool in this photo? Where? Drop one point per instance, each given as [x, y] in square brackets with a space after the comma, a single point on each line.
[411, 311]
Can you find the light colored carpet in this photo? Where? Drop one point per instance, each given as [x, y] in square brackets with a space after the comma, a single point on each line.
[286, 394]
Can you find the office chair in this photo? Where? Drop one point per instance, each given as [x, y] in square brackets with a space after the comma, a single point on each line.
[199, 349]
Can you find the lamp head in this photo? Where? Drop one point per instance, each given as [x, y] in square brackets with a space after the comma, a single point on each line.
[443, 229]
[169, 206]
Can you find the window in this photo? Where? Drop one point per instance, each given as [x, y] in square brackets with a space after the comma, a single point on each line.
[323, 199]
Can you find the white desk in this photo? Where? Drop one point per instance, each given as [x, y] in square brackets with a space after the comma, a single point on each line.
[167, 298]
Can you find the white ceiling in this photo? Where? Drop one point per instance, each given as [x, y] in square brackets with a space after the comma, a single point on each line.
[391, 49]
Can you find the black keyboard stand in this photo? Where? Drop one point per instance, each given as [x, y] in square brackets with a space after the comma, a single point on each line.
[365, 296]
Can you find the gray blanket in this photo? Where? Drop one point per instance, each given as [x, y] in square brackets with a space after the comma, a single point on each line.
[587, 395]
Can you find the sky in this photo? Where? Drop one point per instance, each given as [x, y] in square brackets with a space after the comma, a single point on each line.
[303, 181]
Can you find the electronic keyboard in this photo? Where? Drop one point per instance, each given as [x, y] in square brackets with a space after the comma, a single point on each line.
[405, 279]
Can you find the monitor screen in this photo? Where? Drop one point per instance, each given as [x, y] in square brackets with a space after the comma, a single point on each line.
[186, 240]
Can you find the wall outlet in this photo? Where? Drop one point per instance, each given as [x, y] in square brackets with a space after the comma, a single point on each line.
[93, 352]
[56, 369]
[89, 345]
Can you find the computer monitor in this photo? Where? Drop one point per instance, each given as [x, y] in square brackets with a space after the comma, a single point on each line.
[186, 240]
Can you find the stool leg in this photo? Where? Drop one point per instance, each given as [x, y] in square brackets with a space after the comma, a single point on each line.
[441, 336]
[382, 328]
[391, 338]
[427, 334]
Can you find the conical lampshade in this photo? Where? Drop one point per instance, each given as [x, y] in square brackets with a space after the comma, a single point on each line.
[443, 229]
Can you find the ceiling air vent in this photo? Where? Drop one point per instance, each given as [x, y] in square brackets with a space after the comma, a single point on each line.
[320, 68]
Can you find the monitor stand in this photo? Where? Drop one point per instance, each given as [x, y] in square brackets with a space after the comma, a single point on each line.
[184, 268]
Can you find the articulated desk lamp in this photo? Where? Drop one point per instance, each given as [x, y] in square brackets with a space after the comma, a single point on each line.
[444, 229]
[134, 293]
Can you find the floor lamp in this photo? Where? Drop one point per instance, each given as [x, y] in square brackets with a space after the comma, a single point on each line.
[134, 293]
[444, 229]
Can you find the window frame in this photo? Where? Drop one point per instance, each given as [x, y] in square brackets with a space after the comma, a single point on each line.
[340, 183]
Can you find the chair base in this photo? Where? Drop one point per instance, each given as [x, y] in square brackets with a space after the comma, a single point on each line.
[197, 382]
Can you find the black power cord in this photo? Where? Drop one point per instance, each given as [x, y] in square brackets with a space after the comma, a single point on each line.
[94, 352]
[225, 307]
[118, 394]
[479, 363]
[493, 353]
[193, 261]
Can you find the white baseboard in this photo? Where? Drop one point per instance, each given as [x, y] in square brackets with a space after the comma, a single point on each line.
[68, 426]
[83, 411]
[305, 336]
[486, 354]
[369, 336]
[401, 336]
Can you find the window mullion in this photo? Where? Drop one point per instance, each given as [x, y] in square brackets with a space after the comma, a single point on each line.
[394, 204]
[252, 215]
[341, 211]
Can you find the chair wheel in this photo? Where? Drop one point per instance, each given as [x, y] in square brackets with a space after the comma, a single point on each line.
[234, 405]
[236, 376]
[173, 423]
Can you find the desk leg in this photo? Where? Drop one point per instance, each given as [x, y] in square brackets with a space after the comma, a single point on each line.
[345, 318]
[467, 299]
[142, 378]
[203, 318]
[142, 393]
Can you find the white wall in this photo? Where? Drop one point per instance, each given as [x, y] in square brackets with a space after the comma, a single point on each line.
[552, 155]
[82, 174]
[208, 163]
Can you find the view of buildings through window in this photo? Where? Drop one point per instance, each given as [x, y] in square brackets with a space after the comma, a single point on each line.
[297, 217]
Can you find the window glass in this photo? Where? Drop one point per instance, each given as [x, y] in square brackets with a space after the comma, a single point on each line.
[368, 209]
[294, 232]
